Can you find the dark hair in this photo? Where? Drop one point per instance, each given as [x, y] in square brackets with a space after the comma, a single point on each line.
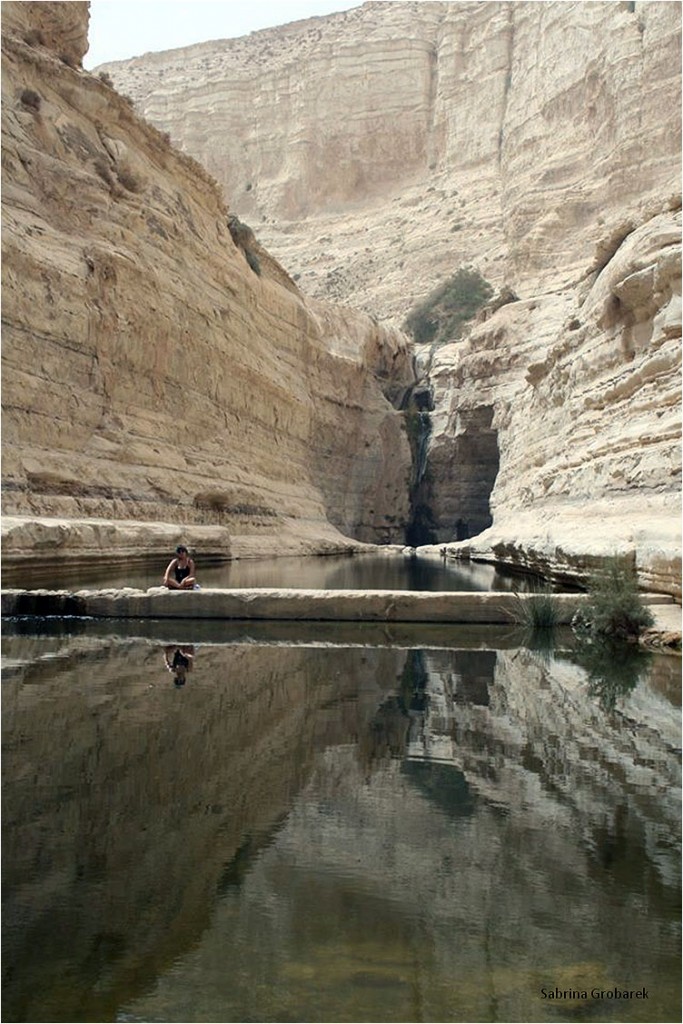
[179, 550]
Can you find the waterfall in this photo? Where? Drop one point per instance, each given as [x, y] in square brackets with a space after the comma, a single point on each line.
[423, 433]
[417, 411]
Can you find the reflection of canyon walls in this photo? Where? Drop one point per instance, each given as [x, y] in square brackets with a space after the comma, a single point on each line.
[158, 363]
[542, 714]
[508, 833]
[384, 147]
[124, 798]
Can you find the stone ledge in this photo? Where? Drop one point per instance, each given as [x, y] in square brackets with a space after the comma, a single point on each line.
[273, 604]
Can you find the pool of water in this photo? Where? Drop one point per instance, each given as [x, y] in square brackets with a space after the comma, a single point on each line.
[436, 825]
[357, 572]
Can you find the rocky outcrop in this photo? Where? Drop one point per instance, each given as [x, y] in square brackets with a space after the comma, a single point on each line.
[479, 135]
[61, 27]
[387, 146]
[158, 364]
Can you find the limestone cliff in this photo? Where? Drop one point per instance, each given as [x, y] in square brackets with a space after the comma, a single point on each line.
[383, 148]
[587, 423]
[379, 148]
[158, 364]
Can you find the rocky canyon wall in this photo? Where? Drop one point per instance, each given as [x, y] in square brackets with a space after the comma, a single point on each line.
[158, 364]
[377, 149]
[380, 149]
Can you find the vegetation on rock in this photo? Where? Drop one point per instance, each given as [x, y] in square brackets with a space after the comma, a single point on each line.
[536, 611]
[443, 314]
[614, 608]
[244, 238]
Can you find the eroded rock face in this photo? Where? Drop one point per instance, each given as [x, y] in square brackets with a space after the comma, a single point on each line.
[587, 416]
[379, 149]
[154, 368]
[395, 143]
[60, 27]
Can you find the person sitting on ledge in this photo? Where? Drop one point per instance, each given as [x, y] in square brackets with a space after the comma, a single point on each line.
[180, 573]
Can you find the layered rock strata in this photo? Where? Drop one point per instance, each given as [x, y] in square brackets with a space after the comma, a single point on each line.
[389, 145]
[586, 414]
[377, 149]
[159, 366]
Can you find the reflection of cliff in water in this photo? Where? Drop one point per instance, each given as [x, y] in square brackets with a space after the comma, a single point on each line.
[125, 799]
[355, 826]
[526, 848]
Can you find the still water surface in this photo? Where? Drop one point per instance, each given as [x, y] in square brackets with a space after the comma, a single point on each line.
[357, 572]
[382, 832]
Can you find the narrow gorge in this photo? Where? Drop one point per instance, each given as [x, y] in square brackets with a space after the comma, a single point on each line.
[176, 359]
[401, 283]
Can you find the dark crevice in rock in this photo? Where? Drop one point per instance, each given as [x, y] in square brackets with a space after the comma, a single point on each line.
[421, 525]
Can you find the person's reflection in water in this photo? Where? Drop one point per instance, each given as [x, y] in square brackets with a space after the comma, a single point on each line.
[179, 660]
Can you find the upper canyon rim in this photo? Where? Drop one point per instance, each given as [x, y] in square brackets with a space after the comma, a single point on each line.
[179, 230]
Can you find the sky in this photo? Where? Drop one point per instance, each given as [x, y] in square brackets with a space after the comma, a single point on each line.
[128, 28]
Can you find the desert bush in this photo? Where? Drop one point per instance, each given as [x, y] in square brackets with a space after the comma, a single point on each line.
[614, 607]
[242, 234]
[536, 611]
[253, 261]
[107, 79]
[31, 99]
[245, 239]
[443, 314]
[613, 668]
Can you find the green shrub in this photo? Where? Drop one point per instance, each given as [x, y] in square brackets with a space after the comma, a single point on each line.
[442, 315]
[245, 239]
[242, 234]
[536, 611]
[614, 608]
